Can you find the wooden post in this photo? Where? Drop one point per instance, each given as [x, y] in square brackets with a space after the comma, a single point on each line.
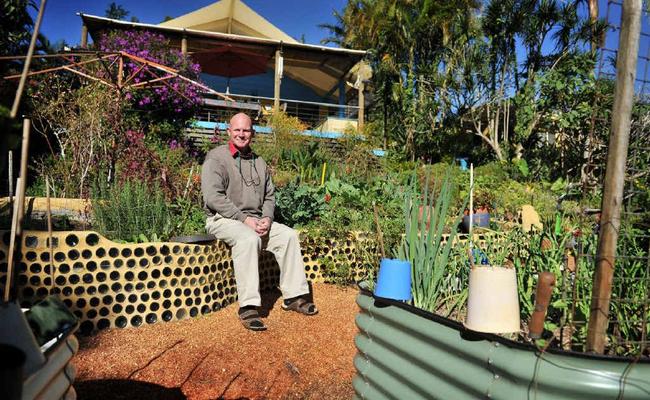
[10, 167]
[120, 71]
[615, 175]
[84, 36]
[15, 242]
[278, 80]
[362, 105]
[184, 45]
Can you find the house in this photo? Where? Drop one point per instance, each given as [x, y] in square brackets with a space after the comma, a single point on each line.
[258, 66]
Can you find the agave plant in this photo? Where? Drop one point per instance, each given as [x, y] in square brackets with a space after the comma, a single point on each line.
[428, 242]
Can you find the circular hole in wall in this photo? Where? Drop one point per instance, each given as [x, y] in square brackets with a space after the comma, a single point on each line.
[113, 252]
[91, 266]
[88, 278]
[86, 254]
[31, 241]
[126, 252]
[180, 313]
[73, 254]
[167, 316]
[103, 324]
[151, 251]
[86, 327]
[144, 262]
[72, 240]
[136, 321]
[129, 309]
[138, 252]
[92, 239]
[121, 322]
[100, 252]
[151, 318]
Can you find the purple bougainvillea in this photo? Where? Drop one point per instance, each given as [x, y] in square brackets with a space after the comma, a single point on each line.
[176, 96]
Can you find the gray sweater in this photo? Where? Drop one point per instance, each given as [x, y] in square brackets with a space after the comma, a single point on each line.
[236, 187]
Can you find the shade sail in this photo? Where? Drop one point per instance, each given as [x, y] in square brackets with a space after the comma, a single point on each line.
[232, 62]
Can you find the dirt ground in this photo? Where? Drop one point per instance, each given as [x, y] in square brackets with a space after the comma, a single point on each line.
[214, 357]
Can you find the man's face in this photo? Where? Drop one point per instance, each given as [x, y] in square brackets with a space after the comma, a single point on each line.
[241, 131]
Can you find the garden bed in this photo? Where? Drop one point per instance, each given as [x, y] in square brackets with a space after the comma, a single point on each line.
[214, 357]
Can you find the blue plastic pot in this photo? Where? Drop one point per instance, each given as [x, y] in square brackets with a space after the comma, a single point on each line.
[394, 280]
[481, 220]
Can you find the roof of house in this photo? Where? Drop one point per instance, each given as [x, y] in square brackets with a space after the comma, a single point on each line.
[229, 16]
[320, 68]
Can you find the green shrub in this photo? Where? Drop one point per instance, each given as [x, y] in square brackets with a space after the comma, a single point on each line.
[131, 211]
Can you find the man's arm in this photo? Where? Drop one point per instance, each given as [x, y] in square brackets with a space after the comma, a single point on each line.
[213, 188]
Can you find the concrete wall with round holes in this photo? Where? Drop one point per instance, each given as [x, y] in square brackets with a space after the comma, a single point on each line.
[109, 285]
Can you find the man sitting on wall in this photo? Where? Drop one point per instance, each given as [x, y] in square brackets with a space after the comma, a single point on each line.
[239, 200]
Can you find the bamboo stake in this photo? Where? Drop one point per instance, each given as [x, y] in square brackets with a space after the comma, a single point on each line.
[615, 175]
[380, 236]
[15, 242]
[12, 245]
[49, 232]
[28, 60]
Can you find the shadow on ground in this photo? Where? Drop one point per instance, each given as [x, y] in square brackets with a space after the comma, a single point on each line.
[122, 389]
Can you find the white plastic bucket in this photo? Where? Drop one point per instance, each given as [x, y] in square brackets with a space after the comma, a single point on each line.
[493, 303]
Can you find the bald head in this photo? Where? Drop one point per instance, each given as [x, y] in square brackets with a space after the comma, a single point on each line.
[241, 116]
[241, 132]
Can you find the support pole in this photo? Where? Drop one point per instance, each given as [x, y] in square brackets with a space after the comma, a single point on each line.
[362, 105]
[84, 36]
[278, 80]
[184, 45]
[615, 175]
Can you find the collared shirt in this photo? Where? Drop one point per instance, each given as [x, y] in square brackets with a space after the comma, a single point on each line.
[235, 152]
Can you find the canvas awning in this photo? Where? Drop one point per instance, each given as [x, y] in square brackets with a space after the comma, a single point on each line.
[320, 68]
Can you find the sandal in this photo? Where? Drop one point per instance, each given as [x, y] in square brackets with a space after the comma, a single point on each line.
[301, 306]
[251, 320]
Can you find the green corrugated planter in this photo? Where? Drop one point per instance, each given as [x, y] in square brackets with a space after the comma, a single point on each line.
[407, 353]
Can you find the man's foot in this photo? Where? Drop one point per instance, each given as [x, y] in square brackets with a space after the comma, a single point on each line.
[250, 318]
[299, 305]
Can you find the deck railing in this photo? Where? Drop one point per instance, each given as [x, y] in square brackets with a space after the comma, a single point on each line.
[314, 115]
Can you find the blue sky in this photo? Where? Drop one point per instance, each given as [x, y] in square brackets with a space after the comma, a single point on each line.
[294, 17]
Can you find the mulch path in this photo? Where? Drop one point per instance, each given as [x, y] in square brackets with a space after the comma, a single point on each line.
[214, 357]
